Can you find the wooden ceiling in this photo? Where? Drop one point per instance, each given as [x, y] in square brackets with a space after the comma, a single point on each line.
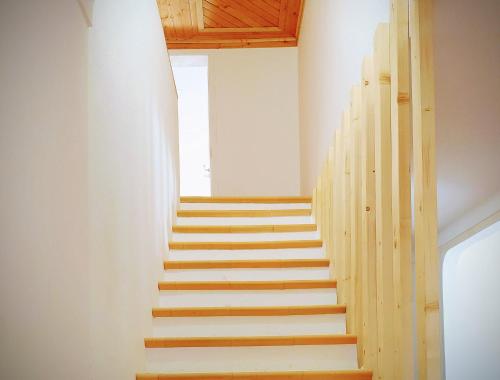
[215, 24]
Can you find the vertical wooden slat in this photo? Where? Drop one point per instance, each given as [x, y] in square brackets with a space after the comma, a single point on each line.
[338, 228]
[401, 191]
[346, 246]
[368, 238]
[428, 315]
[355, 291]
[385, 290]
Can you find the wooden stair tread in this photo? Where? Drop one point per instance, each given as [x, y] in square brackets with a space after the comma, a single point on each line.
[243, 213]
[198, 199]
[356, 374]
[248, 311]
[246, 285]
[244, 228]
[227, 264]
[246, 341]
[233, 245]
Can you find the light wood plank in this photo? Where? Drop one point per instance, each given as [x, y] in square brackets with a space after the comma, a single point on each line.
[223, 245]
[428, 310]
[297, 375]
[242, 213]
[246, 199]
[368, 220]
[268, 228]
[257, 311]
[401, 191]
[245, 341]
[383, 167]
[247, 285]
[220, 264]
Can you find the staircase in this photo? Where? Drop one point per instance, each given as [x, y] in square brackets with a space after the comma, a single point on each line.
[247, 294]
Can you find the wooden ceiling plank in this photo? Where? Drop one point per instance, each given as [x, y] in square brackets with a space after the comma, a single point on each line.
[233, 9]
[233, 45]
[186, 17]
[223, 15]
[299, 19]
[283, 12]
[244, 31]
[255, 12]
[233, 40]
[193, 17]
[219, 18]
[276, 4]
[176, 18]
[209, 36]
[199, 15]
[210, 22]
[292, 15]
[273, 12]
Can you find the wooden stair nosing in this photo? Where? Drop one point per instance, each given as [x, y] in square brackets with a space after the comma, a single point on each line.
[264, 228]
[198, 199]
[247, 341]
[356, 374]
[248, 311]
[242, 213]
[247, 285]
[231, 264]
[235, 245]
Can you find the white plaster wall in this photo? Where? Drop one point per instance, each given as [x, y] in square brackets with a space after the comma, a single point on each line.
[467, 56]
[254, 124]
[44, 256]
[335, 37]
[471, 307]
[133, 172]
[88, 168]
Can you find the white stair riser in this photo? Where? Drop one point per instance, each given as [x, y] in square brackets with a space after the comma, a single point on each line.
[243, 206]
[219, 298]
[241, 359]
[271, 274]
[275, 236]
[247, 254]
[239, 221]
[249, 326]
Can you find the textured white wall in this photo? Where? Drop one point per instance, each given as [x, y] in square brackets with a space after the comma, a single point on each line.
[471, 307]
[86, 198]
[254, 123]
[335, 36]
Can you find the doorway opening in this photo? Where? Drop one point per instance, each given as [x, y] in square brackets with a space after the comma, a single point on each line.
[191, 80]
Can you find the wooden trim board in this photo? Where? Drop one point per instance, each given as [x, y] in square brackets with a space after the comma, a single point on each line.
[254, 311]
[245, 199]
[246, 341]
[242, 213]
[247, 285]
[226, 264]
[355, 374]
[285, 244]
[269, 228]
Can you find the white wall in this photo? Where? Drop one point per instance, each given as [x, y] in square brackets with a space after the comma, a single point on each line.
[44, 256]
[471, 307]
[254, 130]
[467, 54]
[133, 171]
[335, 37]
[85, 201]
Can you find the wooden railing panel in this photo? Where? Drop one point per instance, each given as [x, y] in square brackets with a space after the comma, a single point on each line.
[362, 203]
